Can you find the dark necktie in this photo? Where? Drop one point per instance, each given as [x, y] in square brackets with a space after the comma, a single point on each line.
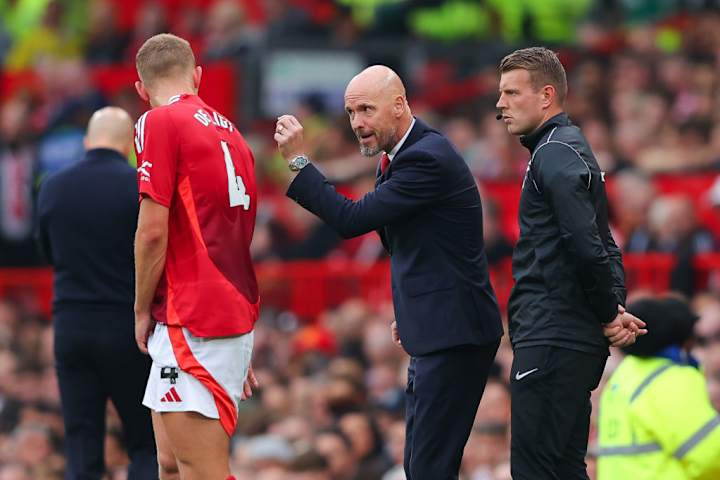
[384, 163]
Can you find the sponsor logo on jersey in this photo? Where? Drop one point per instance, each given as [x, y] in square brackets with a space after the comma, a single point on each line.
[144, 172]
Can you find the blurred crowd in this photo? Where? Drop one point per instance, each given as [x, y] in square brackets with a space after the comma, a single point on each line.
[644, 86]
[330, 406]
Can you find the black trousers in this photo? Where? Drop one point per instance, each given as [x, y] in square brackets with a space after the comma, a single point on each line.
[96, 358]
[550, 423]
[442, 398]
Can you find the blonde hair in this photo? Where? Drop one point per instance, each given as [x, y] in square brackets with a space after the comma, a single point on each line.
[164, 56]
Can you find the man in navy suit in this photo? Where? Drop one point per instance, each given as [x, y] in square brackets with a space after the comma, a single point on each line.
[87, 216]
[426, 208]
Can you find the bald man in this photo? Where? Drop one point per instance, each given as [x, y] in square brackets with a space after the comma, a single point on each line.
[87, 216]
[426, 209]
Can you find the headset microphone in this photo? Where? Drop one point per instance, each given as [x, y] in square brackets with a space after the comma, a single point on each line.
[498, 116]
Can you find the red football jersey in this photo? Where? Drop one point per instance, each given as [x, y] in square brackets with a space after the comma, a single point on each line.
[194, 161]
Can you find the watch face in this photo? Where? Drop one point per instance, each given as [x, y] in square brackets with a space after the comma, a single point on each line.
[298, 163]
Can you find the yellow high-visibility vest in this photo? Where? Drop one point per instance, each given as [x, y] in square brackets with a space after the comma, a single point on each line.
[656, 422]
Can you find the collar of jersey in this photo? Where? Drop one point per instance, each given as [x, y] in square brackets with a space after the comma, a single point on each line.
[531, 140]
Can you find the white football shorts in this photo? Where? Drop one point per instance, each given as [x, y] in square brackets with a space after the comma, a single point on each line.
[194, 374]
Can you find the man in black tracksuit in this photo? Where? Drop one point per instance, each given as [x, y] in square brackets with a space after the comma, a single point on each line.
[566, 306]
[87, 214]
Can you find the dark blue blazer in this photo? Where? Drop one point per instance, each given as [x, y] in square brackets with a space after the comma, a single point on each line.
[427, 210]
[87, 216]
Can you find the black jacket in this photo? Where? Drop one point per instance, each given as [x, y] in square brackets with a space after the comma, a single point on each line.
[87, 216]
[427, 210]
[567, 268]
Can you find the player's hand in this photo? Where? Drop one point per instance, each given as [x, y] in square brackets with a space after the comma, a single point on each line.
[289, 137]
[144, 325]
[250, 383]
[395, 334]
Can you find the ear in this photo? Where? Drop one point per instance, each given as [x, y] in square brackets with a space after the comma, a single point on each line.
[548, 96]
[140, 88]
[197, 76]
[399, 105]
[85, 142]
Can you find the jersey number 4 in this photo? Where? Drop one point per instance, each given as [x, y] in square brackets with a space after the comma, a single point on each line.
[236, 187]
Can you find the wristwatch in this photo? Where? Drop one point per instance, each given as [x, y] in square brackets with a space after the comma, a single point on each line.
[298, 163]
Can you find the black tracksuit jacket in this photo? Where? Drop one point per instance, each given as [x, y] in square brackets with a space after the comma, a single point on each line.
[568, 271]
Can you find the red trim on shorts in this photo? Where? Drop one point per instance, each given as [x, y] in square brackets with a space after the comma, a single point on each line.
[189, 364]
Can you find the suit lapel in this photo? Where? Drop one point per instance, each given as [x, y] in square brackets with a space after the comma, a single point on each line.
[416, 134]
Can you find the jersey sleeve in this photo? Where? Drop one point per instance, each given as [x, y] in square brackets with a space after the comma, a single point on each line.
[156, 147]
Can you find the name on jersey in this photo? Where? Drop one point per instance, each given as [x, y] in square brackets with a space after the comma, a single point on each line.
[216, 119]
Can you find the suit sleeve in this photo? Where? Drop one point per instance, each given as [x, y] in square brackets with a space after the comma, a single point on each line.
[565, 180]
[157, 156]
[416, 181]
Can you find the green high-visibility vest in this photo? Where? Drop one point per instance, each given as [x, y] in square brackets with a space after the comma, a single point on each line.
[656, 422]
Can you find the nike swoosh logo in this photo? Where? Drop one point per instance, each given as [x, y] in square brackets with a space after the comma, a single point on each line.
[520, 376]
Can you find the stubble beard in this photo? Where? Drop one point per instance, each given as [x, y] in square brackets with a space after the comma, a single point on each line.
[367, 151]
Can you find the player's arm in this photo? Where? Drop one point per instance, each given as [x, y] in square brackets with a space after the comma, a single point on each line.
[150, 250]
[157, 152]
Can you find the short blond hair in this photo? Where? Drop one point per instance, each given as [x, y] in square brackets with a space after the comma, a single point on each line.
[164, 56]
[542, 64]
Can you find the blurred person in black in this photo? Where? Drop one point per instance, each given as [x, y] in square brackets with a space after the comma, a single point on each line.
[87, 217]
[567, 303]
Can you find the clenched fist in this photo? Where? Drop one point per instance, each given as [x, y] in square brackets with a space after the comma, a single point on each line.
[289, 137]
